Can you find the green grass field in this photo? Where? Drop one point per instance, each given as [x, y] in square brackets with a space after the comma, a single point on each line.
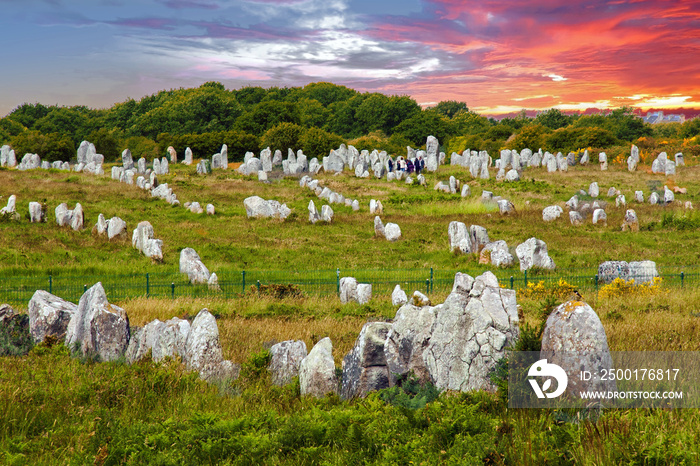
[59, 410]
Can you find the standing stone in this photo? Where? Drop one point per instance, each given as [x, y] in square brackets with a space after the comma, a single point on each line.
[317, 370]
[630, 222]
[599, 216]
[466, 191]
[191, 265]
[593, 190]
[668, 195]
[398, 296]
[533, 253]
[348, 289]
[210, 209]
[610, 270]
[364, 292]
[77, 218]
[224, 157]
[143, 240]
[643, 271]
[408, 340]
[575, 340]
[98, 328]
[49, 315]
[203, 352]
[551, 213]
[505, 206]
[670, 168]
[620, 200]
[471, 332]
[63, 215]
[172, 154]
[82, 152]
[680, 161]
[431, 148]
[576, 218]
[286, 360]
[631, 164]
[585, 159]
[513, 175]
[365, 366]
[37, 213]
[101, 225]
[639, 196]
[459, 238]
[313, 213]
[327, 214]
[392, 232]
[603, 161]
[116, 228]
[188, 157]
[141, 166]
[654, 198]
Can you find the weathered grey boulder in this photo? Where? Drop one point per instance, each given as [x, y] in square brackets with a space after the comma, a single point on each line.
[408, 339]
[317, 370]
[398, 296]
[392, 232]
[100, 227]
[512, 175]
[680, 161]
[620, 200]
[643, 271]
[575, 340]
[572, 203]
[593, 190]
[116, 228]
[505, 206]
[533, 253]
[196, 208]
[192, 265]
[171, 340]
[576, 218]
[143, 240]
[599, 216]
[286, 360]
[37, 212]
[610, 270]
[98, 329]
[204, 168]
[603, 161]
[63, 215]
[497, 254]
[466, 191]
[188, 157]
[376, 207]
[78, 218]
[639, 196]
[326, 214]
[203, 352]
[314, 216]
[258, 207]
[551, 213]
[348, 289]
[11, 206]
[378, 227]
[333, 163]
[669, 197]
[654, 198]
[630, 222]
[471, 332]
[364, 292]
[365, 366]
[49, 315]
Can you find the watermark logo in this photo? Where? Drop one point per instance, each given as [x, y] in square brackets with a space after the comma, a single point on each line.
[544, 369]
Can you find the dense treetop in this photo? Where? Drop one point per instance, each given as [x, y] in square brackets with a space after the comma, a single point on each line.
[317, 118]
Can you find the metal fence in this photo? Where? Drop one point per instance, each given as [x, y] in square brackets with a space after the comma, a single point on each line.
[232, 284]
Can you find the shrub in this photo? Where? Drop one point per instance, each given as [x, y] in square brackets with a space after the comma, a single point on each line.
[621, 288]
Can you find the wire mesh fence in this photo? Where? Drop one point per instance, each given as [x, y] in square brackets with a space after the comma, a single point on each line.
[232, 284]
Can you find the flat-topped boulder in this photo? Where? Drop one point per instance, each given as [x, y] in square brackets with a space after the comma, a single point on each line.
[257, 207]
[533, 253]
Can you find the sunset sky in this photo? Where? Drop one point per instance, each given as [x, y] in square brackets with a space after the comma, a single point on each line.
[498, 56]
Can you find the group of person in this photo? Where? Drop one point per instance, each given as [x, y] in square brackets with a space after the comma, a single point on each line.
[407, 165]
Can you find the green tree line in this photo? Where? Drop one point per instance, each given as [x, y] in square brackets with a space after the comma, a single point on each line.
[315, 118]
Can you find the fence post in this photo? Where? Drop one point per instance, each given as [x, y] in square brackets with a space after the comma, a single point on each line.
[172, 289]
[50, 284]
[84, 288]
[596, 282]
[337, 281]
[243, 275]
[427, 286]
[148, 286]
[511, 282]
[258, 286]
[431, 279]
[525, 278]
[682, 278]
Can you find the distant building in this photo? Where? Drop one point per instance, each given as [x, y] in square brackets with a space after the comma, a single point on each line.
[659, 117]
